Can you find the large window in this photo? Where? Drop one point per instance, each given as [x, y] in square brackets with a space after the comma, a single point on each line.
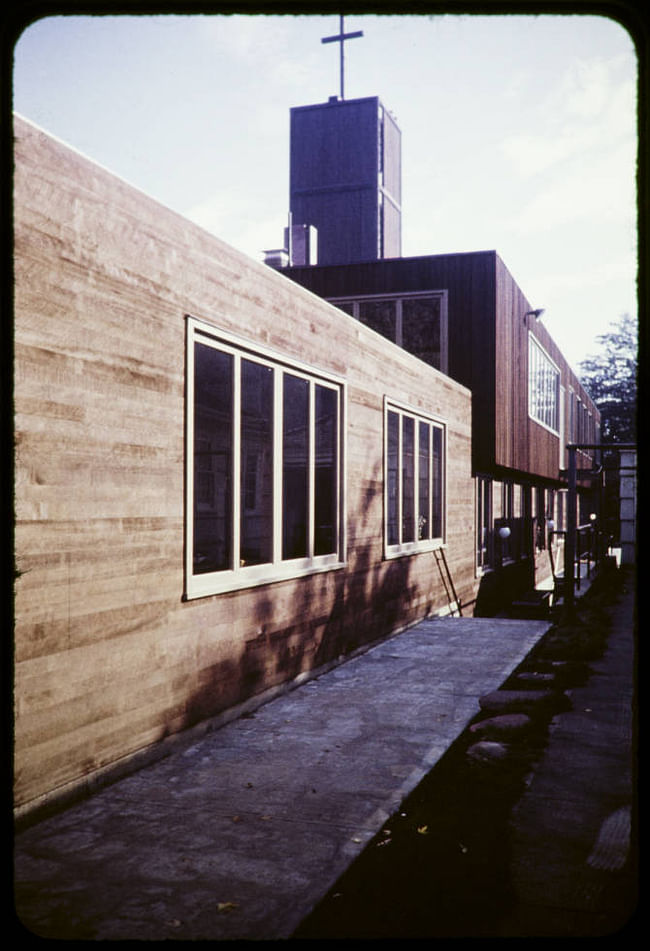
[417, 322]
[543, 386]
[415, 481]
[264, 466]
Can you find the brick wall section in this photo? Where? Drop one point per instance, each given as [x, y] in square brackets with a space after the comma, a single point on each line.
[108, 657]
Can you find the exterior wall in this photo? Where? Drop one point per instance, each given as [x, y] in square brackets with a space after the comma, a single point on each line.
[521, 443]
[338, 189]
[109, 657]
[488, 351]
[469, 280]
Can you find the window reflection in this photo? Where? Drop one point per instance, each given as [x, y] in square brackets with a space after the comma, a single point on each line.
[295, 466]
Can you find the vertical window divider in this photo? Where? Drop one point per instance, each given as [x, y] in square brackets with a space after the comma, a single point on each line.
[189, 441]
[431, 487]
[311, 482]
[416, 480]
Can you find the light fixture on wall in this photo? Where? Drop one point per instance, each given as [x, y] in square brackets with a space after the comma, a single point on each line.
[534, 313]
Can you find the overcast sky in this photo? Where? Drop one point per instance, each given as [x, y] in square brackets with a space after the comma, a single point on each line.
[518, 132]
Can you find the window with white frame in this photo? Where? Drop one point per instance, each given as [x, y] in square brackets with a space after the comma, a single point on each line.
[543, 386]
[484, 524]
[415, 481]
[264, 466]
[417, 322]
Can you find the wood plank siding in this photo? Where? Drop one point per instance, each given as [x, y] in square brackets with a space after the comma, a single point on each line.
[110, 656]
[345, 178]
[521, 443]
[487, 351]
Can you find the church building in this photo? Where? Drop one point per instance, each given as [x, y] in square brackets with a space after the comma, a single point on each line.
[231, 476]
[462, 313]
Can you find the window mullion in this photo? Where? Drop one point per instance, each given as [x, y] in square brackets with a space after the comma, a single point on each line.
[431, 481]
[311, 490]
[416, 481]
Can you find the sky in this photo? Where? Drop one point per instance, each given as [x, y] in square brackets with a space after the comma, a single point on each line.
[518, 132]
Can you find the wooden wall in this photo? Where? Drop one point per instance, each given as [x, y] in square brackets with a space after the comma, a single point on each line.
[521, 443]
[469, 280]
[488, 349]
[109, 659]
[336, 188]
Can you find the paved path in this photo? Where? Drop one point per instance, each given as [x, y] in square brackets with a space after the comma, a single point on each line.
[573, 832]
[241, 833]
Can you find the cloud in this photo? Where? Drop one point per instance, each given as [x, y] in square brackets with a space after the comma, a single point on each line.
[590, 108]
[233, 215]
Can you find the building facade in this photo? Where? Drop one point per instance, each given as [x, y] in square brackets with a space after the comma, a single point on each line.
[346, 179]
[465, 315]
[211, 501]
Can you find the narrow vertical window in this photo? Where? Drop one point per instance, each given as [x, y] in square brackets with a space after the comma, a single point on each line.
[424, 480]
[326, 465]
[213, 428]
[295, 466]
[438, 482]
[484, 523]
[256, 508]
[392, 472]
[408, 495]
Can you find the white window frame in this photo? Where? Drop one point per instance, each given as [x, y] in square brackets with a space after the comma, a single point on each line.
[484, 524]
[538, 358]
[240, 576]
[418, 545]
[398, 297]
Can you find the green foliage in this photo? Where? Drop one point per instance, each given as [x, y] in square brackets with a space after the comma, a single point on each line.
[610, 378]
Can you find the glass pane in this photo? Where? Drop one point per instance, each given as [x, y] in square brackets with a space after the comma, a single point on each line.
[408, 487]
[380, 316]
[424, 484]
[213, 408]
[438, 488]
[256, 492]
[295, 467]
[325, 486]
[392, 466]
[421, 328]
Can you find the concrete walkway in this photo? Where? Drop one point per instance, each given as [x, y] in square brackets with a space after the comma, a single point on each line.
[239, 835]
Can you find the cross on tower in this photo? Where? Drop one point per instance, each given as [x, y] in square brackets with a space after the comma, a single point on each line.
[340, 38]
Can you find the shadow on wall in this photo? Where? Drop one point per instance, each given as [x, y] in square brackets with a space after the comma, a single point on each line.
[331, 615]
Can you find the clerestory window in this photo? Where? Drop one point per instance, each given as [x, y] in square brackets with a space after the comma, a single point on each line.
[543, 387]
[417, 322]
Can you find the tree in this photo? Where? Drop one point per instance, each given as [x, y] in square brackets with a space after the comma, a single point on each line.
[610, 378]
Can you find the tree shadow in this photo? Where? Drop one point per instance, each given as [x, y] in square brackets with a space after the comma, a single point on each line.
[326, 618]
